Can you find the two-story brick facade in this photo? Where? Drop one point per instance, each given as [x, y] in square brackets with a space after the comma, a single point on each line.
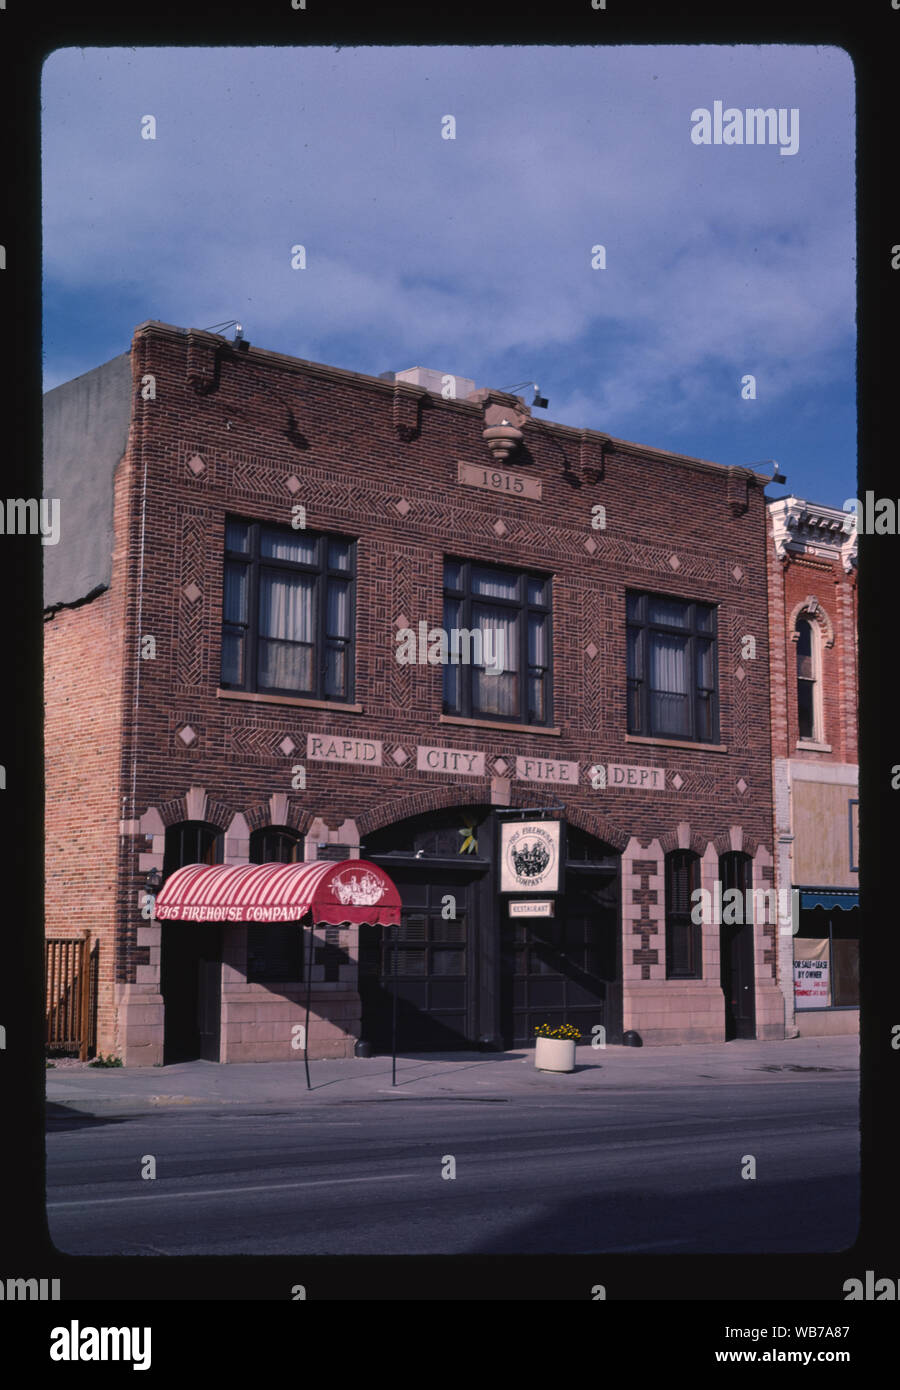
[813, 608]
[244, 664]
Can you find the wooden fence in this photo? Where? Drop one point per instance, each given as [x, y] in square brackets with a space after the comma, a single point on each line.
[71, 995]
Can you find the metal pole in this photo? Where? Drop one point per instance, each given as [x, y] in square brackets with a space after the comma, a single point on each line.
[394, 1008]
[308, 991]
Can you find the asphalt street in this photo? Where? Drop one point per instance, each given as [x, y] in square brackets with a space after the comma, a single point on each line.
[527, 1168]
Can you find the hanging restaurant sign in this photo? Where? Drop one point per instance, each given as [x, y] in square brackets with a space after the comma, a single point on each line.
[530, 856]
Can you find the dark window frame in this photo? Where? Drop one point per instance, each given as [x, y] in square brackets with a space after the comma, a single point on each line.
[255, 563]
[690, 943]
[524, 608]
[175, 848]
[639, 706]
[266, 940]
[806, 682]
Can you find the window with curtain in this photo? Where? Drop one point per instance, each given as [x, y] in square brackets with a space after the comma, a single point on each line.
[275, 949]
[684, 940]
[806, 680]
[287, 615]
[510, 612]
[672, 667]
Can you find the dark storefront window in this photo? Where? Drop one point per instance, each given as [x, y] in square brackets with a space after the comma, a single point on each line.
[511, 611]
[672, 668]
[275, 949]
[192, 842]
[828, 942]
[288, 612]
[684, 942]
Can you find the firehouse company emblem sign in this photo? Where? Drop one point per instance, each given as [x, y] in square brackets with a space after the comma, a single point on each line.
[529, 857]
[357, 890]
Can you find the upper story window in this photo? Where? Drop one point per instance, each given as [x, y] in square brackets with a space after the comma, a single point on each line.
[288, 612]
[806, 680]
[673, 685]
[502, 668]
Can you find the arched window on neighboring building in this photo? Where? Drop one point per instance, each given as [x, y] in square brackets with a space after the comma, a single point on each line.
[808, 717]
[684, 940]
[192, 842]
[274, 949]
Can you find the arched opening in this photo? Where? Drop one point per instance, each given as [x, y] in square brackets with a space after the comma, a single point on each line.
[736, 946]
[191, 956]
[465, 972]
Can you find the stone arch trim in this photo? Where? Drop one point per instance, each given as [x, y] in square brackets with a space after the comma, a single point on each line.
[260, 816]
[217, 813]
[811, 608]
[670, 840]
[723, 845]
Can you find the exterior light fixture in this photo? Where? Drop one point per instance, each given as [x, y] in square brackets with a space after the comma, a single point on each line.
[154, 879]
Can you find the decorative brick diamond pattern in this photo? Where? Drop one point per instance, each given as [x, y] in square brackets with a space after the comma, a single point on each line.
[262, 740]
[674, 563]
[741, 785]
[591, 651]
[500, 528]
[187, 736]
[737, 573]
[402, 506]
[287, 746]
[190, 640]
[677, 782]
[400, 756]
[196, 465]
[739, 674]
[293, 484]
[501, 767]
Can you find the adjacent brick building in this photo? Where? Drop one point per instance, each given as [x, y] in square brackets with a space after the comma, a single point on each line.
[813, 614]
[252, 548]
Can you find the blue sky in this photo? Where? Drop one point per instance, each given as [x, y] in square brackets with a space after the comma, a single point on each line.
[473, 255]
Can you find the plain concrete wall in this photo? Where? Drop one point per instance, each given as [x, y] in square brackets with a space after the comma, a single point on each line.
[85, 434]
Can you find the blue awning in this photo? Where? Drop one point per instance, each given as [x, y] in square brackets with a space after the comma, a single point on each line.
[829, 898]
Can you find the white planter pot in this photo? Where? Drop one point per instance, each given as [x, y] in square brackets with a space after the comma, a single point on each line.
[554, 1054]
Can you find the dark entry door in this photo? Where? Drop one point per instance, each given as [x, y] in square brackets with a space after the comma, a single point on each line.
[736, 953]
[191, 985]
[428, 965]
[564, 969]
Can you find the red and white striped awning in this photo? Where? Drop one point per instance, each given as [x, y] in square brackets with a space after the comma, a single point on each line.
[346, 890]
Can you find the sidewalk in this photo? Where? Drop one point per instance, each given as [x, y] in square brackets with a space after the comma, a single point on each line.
[505, 1076]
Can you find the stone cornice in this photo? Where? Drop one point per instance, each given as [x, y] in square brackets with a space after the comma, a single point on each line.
[799, 526]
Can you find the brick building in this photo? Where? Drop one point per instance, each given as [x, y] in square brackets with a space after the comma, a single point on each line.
[262, 563]
[813, 616]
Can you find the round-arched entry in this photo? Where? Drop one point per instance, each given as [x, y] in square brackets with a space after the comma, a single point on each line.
[465, 973]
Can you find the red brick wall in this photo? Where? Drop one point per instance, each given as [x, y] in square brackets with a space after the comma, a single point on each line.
[83, 664]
